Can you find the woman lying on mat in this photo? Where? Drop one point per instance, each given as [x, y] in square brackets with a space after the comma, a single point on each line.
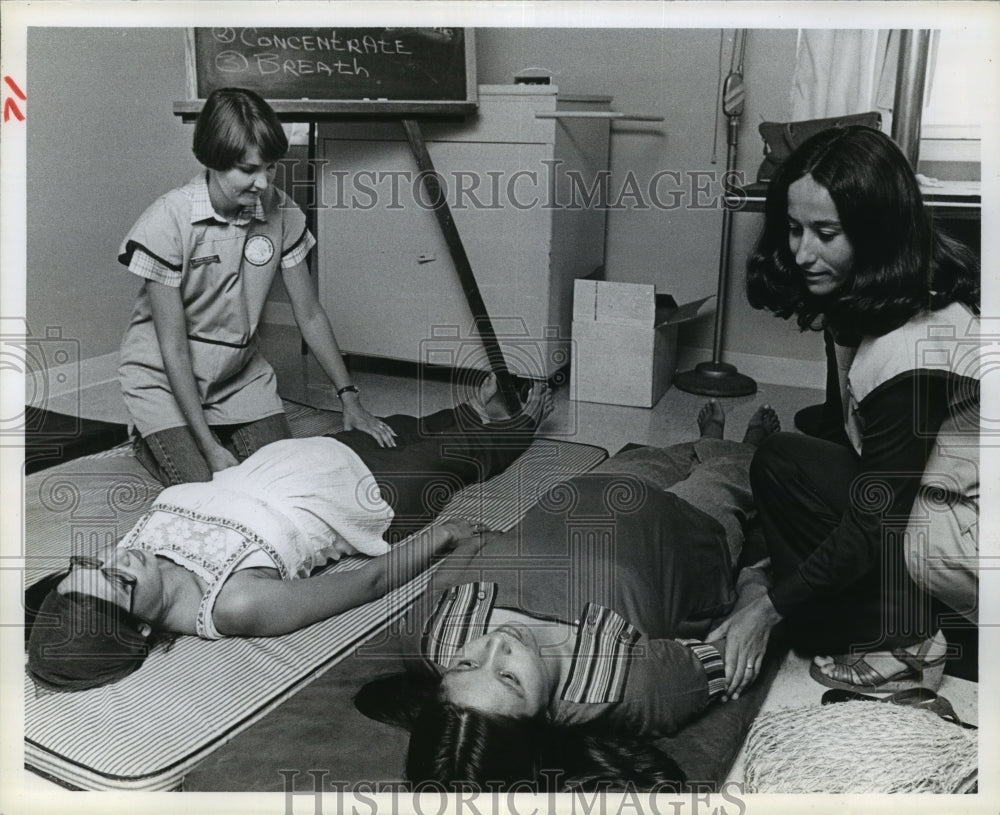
[849, 246]
[234, 556]
[553, 656]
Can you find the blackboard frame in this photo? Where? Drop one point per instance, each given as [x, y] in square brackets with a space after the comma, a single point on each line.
[308, 110]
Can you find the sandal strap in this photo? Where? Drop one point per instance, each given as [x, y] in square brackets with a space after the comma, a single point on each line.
[918, 661]
[858, 672]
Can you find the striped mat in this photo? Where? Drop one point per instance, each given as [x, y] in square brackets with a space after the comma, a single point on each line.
[146, 731]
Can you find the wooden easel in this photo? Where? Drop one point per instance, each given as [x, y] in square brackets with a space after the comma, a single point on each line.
[470, 287]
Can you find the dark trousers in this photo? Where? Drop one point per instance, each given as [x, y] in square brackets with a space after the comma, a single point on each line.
[802, 488]
[435, 456]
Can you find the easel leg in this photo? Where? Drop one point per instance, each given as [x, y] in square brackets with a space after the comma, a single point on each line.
[473, 297]
[311, 213]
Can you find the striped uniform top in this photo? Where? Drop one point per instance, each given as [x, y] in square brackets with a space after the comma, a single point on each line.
[639, 584]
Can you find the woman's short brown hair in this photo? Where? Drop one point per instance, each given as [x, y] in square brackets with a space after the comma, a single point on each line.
[232, 121]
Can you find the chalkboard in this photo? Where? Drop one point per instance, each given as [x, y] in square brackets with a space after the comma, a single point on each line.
[313, 71]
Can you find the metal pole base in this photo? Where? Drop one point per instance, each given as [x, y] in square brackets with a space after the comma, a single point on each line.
[715, 379]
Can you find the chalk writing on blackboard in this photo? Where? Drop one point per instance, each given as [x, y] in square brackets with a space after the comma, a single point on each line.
[350, 63]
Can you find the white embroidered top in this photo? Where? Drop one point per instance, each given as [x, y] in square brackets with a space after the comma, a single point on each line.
[293, 505]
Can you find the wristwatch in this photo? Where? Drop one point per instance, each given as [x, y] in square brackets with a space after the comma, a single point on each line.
[347, 389]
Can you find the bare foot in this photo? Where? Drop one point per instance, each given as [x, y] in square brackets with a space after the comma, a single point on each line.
[480, 401]
[490, 407]
[711, 420]
[763, 423]
[539, 404]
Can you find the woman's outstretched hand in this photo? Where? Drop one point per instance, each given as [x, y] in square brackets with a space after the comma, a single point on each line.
[746, 632]
[356, 417]
[450, 533]
[219, 458]
[462, 528]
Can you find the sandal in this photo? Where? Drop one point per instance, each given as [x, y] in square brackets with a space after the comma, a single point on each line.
[921, 698]
[920, 672]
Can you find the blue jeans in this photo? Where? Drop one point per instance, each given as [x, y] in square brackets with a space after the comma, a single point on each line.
[172, 456]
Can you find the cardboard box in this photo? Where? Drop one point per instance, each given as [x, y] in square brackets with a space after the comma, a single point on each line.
[624, 342]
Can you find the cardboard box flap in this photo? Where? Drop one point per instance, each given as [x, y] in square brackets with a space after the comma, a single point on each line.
[626, 303]
[604, 301]
[673, 314]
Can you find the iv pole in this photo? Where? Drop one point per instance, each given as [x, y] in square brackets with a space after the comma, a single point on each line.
[718, 378]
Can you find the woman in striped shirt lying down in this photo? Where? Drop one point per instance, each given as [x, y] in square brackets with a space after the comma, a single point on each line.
[582, 622]
[238, 556]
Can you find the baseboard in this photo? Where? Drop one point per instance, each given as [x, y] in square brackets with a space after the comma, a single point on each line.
[801, 373]
[798, 373]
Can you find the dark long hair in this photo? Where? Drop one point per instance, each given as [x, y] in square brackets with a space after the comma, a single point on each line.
[903, 264]
[458, 748]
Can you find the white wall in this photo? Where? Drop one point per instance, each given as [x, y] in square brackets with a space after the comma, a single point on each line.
[674, 73]
[103, 143]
